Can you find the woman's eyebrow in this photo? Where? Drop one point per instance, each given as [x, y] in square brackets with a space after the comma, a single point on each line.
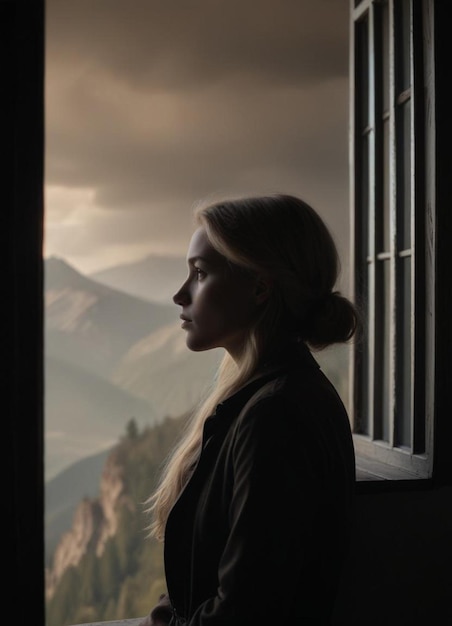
[194, 259]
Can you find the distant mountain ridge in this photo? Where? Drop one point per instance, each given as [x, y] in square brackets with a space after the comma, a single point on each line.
[110, 356]
[154, 278]
[80, 311]
[85, 413]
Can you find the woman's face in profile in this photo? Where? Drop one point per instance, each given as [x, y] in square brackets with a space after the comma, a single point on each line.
[217, 299]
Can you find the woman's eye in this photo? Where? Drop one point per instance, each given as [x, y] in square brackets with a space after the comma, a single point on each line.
[199, 273]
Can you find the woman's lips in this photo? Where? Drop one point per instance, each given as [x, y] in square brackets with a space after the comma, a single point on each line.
[185, 321]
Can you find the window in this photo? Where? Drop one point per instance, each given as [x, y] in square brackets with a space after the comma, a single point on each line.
[392, 230]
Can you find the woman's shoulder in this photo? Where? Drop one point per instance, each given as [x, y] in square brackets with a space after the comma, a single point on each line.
[305, 394]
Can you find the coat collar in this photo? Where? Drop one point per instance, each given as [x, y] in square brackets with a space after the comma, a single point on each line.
[293, 357]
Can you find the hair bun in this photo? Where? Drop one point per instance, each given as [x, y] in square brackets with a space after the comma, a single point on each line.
[331, 319]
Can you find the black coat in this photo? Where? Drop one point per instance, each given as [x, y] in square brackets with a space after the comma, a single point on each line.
[260, 532]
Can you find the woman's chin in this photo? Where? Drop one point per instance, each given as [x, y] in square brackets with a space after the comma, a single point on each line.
[196, 345]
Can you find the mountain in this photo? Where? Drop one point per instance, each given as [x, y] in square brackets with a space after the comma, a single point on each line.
[178, 376]
[65, 492]
[91, 324]
[85, 413]
[103, 567]
[154, 278]
[109, 357]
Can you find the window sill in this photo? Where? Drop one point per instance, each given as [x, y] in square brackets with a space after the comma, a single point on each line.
[383, 467]
[374, 469]
[375, 475]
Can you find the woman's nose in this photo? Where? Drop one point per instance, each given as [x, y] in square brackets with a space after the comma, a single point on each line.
[181, 296]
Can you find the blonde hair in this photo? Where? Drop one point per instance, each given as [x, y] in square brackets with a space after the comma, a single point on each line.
[282, 239]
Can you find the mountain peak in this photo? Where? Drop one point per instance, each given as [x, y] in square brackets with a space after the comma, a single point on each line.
[154, 278]
[59, 274]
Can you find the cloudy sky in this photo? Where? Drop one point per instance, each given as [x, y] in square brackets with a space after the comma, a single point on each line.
[153, 105]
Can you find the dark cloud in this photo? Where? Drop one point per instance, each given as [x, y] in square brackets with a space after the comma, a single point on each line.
[154, 105]
[156, 43]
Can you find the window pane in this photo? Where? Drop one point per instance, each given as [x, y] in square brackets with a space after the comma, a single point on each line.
[382, 137]
[363, 160]
[402, 44]
[386, 244]
[385, 56]
[362, 418]
[404, 353]
[366, 237]
[382, 352]
[404, 177]
[362, 72]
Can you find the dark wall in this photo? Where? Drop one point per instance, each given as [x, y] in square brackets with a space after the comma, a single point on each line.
[21, 172]
[399, 572]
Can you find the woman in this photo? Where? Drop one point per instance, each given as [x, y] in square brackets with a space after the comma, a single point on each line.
[255, 503]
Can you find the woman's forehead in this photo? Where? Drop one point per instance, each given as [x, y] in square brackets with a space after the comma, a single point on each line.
[201, 248]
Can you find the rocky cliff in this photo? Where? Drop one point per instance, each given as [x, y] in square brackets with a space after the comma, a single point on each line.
[94, 522]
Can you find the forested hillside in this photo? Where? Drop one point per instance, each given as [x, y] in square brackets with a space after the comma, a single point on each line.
[123, 576]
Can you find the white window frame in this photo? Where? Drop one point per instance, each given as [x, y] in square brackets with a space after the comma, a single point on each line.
[392, 177]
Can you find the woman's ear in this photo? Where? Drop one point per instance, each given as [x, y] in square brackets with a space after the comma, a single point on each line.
[263, 289]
